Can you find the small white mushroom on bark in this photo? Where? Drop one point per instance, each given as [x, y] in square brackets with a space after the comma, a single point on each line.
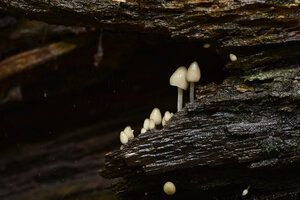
[245, 191]
[151, 124]
[206, 46]
[193, 75]
[129, 132]
[178, 79]
[143, 130]
[232, 57]
[121, 147]
[156, 116]
[146, 124]
[166, 118]
[163, 122]
[123, 138]
[169, 188]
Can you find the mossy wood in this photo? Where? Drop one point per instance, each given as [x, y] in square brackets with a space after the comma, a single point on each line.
[243, 132]
[227, 23]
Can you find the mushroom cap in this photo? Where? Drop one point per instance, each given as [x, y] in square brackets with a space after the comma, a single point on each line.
[163, 122]
[146, 124]
[245, 192]
[167, 116]
[123, 138]
[178, 78]
[156, 116]
[169, 188]
[193, 73]
[143, 130]
[128, 132]
[233, 57]
[151, 124]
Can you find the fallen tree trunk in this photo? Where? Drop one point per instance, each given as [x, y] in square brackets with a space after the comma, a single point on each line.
[243, 132]
[226, 23]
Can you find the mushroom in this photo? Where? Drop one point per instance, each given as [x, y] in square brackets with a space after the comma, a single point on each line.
[123, 138]
[178, 79]
[121, 147]
[169, 188]
[156, 116]
[166, 118]
[129, 132]
[206, 46]
[151, 124]
[146, 124]
[232, 57]
[193, 75]
[143, 130]
[245, 191]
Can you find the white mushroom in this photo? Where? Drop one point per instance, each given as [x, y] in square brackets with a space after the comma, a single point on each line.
[166, 118]
[163, 122]
[169, 188]
[143, 130]
[245, 191]
[121, 147]
[232, 57]
[123, 138]
[178, 79]
[156, 116]
[151, 124]
[193, 75]
[129, 132]
[146, 124]
[206, 46]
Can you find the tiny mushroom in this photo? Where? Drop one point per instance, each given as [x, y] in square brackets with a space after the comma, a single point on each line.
[151, 124]
[245, 191]
[146, 124]
[143, 130]
[232, 57]
[206, 46]
[193, 75]
[178, 79]
[121, 147]
[129, 132]
[166, 118]
[123, 138]
[156, 116]
[169, 188]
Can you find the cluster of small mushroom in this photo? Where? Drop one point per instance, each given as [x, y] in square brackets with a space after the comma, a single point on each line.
[149, 124]
[126, 135]
[155, 120]
[180, 79]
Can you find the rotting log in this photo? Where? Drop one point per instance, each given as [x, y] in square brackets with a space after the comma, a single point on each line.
[243, 132]
[225, 23]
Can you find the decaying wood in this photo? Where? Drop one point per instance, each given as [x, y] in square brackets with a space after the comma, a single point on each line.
[61, 167]
[226, 23]
[245, 131]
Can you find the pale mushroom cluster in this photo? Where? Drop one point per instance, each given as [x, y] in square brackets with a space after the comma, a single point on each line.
[126, 135]
[155, 120]
[181, 79]
[150, 123]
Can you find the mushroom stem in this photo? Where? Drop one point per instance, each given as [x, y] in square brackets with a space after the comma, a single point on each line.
[192, 86]
[180, 99]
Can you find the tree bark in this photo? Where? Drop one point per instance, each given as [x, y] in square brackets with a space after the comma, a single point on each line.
[224, 23]
[243, 132]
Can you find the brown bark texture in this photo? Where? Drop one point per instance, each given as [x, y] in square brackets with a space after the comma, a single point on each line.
[222, 22]
[243, 132]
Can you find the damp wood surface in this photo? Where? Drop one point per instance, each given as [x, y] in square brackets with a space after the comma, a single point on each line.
[240, 132]
[224, 23]
[243, 132]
